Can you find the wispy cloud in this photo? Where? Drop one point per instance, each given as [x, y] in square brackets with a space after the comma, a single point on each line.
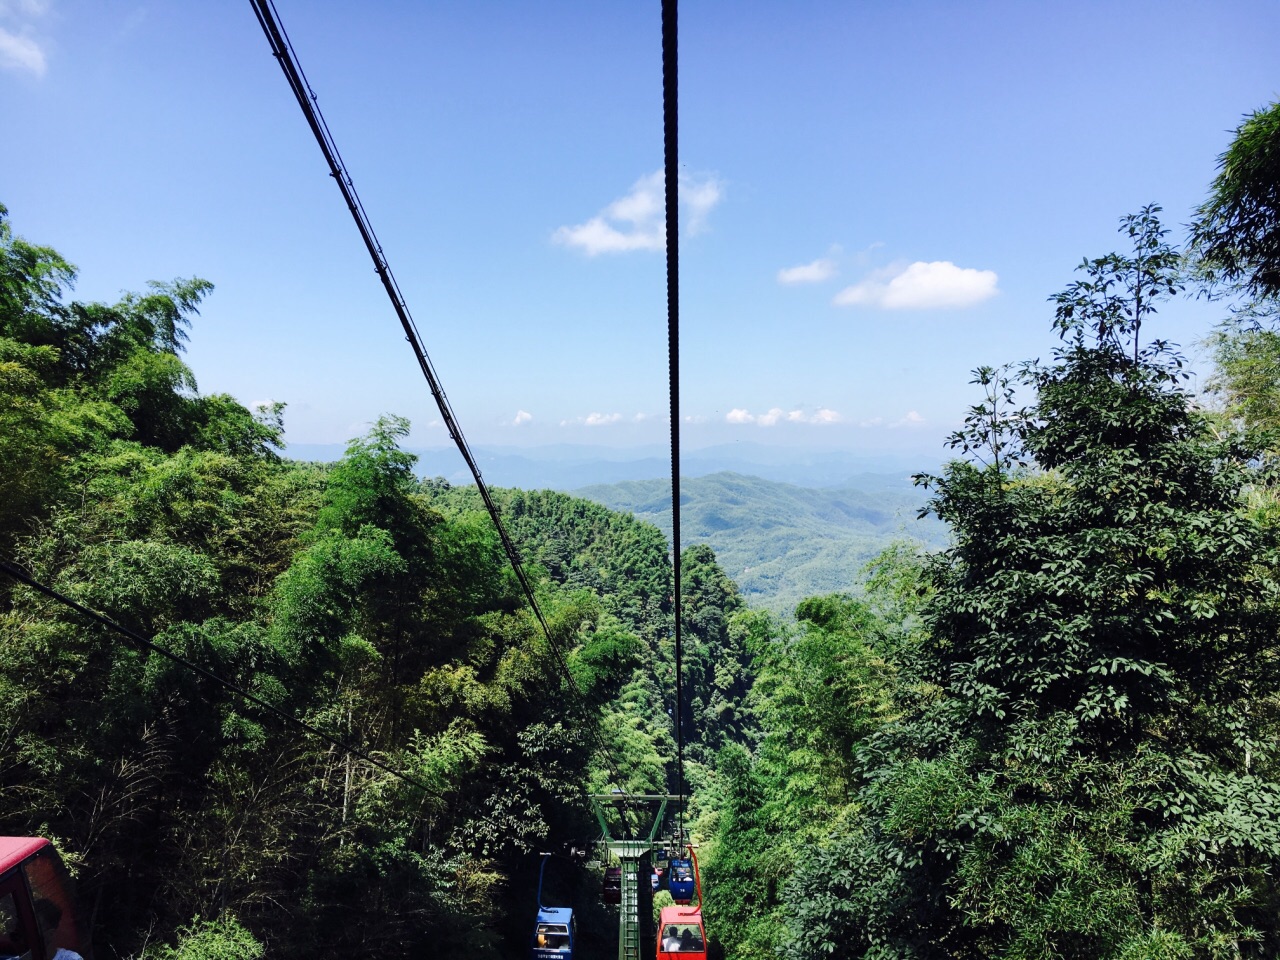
[521, 417]
[637, 221]
[821, 269]
[775, 415]
[593, 420]
[909, 419]
[921, 286]
[20, 50]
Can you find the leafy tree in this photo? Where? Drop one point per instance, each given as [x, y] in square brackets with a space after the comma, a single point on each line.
[1096, 687]
[1236, 233]
[221, 939]
[819, 690]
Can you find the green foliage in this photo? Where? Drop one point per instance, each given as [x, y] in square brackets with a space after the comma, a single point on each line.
[221, 939]
[1093, 699]
[1247, 375]
[1236, 233]
[820, 689]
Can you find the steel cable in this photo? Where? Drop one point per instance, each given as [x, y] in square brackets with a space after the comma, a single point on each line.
[283, 51]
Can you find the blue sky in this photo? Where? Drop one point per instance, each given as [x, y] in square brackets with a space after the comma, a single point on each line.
[878, 197]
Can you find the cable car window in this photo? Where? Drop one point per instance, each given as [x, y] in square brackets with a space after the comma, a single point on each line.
[52, 900]
[13, 939]
[682, 938]
[553, 936]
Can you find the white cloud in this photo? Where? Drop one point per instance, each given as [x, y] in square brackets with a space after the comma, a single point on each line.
[698, 197]
[24, 8]
[592, 420]
[522, 416]
[776, 415]
[921, 286]
[769, 419]
[815, 272]
[637, 220]
[909, 419]
[20, 51]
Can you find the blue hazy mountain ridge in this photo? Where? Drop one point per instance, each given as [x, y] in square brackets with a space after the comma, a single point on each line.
[782, 542]
[568, 467]
[785, 523]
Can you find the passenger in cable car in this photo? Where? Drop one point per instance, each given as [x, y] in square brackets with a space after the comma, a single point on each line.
[682, 938]
[553, 936]
[50, 916]
[671, 939]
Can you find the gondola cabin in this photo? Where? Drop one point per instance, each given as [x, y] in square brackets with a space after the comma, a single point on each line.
[612, 892]
[38, 919]
[681, 935]
[655, 879]
[554, 934]
[681, 881]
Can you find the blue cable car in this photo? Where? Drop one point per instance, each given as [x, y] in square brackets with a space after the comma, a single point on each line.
[680, 881]
[554, 931]
[553, 935]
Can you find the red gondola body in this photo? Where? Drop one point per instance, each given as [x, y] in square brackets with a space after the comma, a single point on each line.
[38, 919]
[681, 935]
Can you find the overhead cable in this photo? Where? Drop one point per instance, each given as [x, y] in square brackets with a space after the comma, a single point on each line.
[671, 184]
[284, 53]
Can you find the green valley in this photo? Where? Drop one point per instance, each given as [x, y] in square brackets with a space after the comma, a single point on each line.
[781, 542]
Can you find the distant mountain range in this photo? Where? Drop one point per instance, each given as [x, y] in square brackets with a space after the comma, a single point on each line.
[781, 542]
[785, 523]
[569, 467]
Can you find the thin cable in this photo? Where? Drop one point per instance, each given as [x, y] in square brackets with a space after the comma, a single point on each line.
[285, 55]
[671, 183]
[15, 571]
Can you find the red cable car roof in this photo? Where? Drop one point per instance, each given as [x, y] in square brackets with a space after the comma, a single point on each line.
[681, 914]
[13, 850]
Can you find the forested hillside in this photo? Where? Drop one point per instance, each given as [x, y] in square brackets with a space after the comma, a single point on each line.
[780, 542]
[375, 608]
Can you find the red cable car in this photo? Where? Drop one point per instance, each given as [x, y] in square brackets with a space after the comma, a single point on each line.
[612, 891]
[681, 935]
[38, 918]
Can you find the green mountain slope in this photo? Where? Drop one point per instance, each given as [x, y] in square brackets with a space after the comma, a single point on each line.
[780, 542]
